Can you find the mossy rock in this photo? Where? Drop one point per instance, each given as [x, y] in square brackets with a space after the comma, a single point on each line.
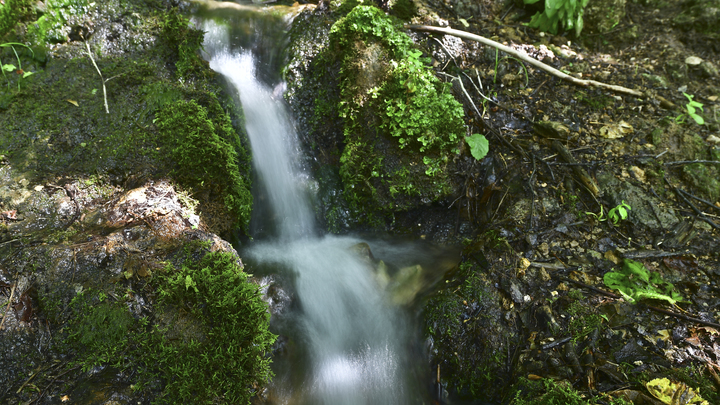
[401, 127]
[66, 120]
[700, 15]
[470, 336]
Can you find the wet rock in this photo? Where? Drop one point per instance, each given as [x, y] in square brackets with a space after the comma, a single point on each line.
[646, 209]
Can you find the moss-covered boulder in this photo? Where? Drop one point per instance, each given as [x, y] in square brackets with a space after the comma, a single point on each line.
[393, 127]
[121, 160]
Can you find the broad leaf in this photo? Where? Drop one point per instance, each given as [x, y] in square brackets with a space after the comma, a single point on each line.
[479, 145]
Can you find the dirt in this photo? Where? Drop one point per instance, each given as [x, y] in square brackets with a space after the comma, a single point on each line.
[547, 237]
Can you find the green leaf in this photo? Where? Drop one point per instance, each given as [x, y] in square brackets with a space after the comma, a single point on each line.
[26, 74]
[697, 119]
[479, 145]
[9, 67]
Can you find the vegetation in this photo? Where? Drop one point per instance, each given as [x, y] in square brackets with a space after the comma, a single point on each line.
[401, 124]
[207, 341]
[691, 111]
[635, 282]
[12, 11]
[557, 13]
[203, 156]
[549, 392]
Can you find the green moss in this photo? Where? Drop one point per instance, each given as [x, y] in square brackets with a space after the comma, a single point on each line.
[208, 340]
[52, 26]
[186, 43]
[401, 124]
[11, 12]
[202, 153]
[457, 320]
[549, 392]
[99, 330]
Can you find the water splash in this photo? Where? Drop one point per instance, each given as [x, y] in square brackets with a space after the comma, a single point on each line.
[353, 337]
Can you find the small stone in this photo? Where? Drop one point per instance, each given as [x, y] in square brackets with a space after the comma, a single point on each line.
[707, 69]
[711, 139]
[638, 173]
[693, 60]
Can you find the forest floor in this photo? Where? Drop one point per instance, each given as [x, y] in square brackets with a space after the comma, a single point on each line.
[556, 239]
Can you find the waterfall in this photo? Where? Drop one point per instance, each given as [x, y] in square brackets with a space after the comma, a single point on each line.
[353, 338]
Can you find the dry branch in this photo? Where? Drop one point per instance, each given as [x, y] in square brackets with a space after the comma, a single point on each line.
[525, 58]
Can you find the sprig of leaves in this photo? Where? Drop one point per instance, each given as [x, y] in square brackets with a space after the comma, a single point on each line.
[691, 108]
[635, 282]
[568, 13]
[9, 67]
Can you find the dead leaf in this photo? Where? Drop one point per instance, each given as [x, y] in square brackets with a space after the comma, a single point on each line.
[73, 102]
[673, 393]
[64, 398]
[694, 340]
[12, 214]
[615, 131]
[663, 335]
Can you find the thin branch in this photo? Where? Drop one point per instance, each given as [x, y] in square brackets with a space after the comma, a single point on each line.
[524, 57]
[687, 162]
[101, 76]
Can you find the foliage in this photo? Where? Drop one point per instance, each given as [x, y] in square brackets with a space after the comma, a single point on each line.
[691, 108]
[617, 214]
[10, 67]
[669, 391]
[549, 392]
[203, 155]
[479, 145]
[419, 110]
[635, 282]
[213, 350]
[568, 13]
[401, 102]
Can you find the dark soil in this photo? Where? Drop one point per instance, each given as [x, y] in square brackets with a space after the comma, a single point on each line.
[541, 242]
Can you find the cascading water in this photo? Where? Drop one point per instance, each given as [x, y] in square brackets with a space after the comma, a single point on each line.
[353, 339]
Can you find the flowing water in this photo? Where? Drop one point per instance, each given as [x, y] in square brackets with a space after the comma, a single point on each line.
[351, 344]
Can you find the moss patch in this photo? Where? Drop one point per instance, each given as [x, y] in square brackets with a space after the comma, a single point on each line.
[208, 340]
[401, 124]
[202, 154]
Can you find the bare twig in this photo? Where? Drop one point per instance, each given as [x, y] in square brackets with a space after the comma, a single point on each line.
[107, 111]
[687, 162]
[525, 58]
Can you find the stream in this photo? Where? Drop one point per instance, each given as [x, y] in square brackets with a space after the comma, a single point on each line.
[350, 342]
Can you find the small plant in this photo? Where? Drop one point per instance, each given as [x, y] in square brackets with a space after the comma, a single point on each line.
[12, 68]
[569, 13]
[635, 282]
[617, 214]
[691, 108]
